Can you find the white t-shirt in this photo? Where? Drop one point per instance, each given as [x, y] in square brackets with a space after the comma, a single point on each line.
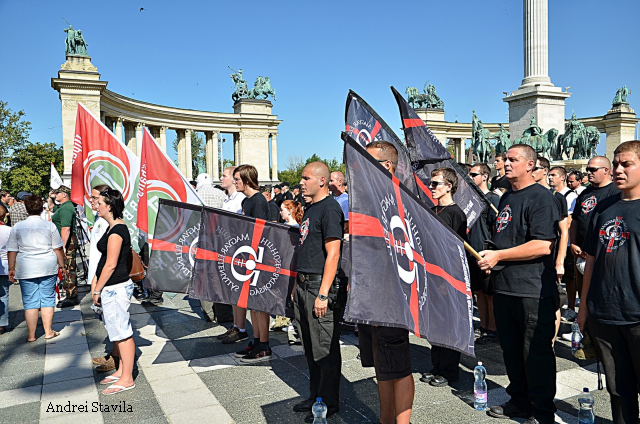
[5, 231]
[100, 227]
[34, 239]
[233, 203]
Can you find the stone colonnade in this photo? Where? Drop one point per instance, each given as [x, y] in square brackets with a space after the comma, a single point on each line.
[253, 128]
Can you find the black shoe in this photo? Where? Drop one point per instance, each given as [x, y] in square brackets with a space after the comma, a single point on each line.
[439, 381]
[245, 351]
[256, 355]
[235, 337]
[226, 333]
[68, 302]
[532, 420]
[331, 410]
[427, 377]
[488, 338]
[508, 410]
[304, 406]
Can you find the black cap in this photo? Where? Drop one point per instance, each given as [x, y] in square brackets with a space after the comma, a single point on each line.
[285, 183]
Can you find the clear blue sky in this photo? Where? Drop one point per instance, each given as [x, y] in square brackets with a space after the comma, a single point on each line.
[176, 53]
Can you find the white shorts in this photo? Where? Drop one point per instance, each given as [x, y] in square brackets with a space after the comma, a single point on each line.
[116, 300]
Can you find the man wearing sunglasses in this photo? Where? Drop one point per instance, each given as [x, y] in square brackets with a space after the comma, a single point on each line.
[600, 187]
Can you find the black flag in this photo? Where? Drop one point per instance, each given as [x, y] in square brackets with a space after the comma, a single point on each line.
[427, 154]
[245, 261]
[409, 269]
[173, 248]
[365, 126]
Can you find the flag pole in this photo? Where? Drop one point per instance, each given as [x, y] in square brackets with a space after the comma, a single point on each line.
[472, 251]
[494, 208]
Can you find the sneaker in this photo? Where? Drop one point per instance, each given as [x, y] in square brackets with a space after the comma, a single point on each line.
[101, 360]
[288, 328]
[235, 337]
[245, 351]
[488, 338]
[256, 355]
[227, 333]
[68, 302]
[107, 366]
[568, 315]
[508, 410]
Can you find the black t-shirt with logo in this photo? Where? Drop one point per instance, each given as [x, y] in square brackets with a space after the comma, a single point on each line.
[481, 230]
[528, 214]
[256, 206]
[613, 238]
[586, 204]
[500, 182]
[322, 220]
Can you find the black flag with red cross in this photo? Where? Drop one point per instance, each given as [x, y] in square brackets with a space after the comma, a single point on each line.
[408, 269]
[427, 153]
[173, 247]
[245, 261]
[365, 126]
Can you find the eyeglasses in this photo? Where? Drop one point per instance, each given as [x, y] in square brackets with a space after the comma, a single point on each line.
[435, 184]
[593, 169]
[474, 174]
[537, 168]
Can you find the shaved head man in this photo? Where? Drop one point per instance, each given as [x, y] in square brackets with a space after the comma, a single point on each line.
[317, 287]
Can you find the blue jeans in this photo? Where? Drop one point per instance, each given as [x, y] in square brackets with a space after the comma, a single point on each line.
[4, 300]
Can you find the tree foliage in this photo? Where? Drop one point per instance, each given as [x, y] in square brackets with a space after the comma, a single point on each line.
[198, 161]
[30, 168]
[14, 133]
[293, 172]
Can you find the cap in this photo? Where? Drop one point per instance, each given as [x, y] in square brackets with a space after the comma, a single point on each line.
[63, 189]
[297, 186]
[285, 183]
[22, 195]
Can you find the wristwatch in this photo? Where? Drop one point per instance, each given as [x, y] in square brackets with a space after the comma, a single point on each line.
[322, 297]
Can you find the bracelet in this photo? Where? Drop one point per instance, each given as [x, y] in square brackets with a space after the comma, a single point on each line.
[11, 269]
[97, 292]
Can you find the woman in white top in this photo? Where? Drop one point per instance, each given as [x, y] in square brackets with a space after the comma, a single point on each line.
[5, 230]
[34, 253]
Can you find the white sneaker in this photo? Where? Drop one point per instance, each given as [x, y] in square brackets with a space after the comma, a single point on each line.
[567, 336]
[288, 328]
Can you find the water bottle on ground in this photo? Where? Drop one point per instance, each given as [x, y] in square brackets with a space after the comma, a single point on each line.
[480, 388]
[586, 414]
[319, 411]
[576, 337]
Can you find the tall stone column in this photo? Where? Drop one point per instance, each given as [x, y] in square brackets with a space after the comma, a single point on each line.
[130, 136]
[163, 139]
[211, 155]
[119, 124]
[274, 158]
[236, 149]
[155, 133]
[139, 131]
[536, 43]
[184, 153]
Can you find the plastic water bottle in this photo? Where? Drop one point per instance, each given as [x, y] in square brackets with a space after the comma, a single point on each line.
[480, 388]
[576, 337]
[319, 411]
[586, 415]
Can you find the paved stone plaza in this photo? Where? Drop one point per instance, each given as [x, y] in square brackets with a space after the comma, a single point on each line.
[185, 375]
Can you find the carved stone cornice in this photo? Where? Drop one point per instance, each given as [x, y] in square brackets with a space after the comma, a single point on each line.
[60, 84]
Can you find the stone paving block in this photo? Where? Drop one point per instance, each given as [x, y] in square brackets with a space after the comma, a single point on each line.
[17, 367]
[69, 388]
[66, 341]
[67, 316]
[180, 383]
[285, 351]
[142, 411]
[20, 396]
[577, 379]
[215, 414]
[19, 381]
[172, 403]
[166, 371]
[78, 418]
[168, 356]
[27, 413]
[69, 373]
[66, 349]
[212, 363]
[49, 408]
[57, 362]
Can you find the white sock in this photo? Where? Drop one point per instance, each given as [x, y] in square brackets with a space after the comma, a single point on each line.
[242, 330]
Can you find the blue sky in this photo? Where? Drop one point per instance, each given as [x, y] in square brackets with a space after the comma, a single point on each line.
[176, 53]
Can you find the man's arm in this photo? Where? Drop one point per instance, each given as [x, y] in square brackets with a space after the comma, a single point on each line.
[65, 232]
[332, 246]
[583, 312]
[530, 250]
[562, 251]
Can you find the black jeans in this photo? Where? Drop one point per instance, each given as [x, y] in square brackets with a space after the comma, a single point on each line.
[619, 349]
[445, 363]
[321, 342]
[526, 327]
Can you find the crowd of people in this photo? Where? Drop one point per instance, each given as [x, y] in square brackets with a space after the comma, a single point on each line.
[552, 241]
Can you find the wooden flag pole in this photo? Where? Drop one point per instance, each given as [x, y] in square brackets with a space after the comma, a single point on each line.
[472, 250]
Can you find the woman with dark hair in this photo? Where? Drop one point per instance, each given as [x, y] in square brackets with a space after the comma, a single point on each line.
[34, 253]
[112, 288]
[256, 206]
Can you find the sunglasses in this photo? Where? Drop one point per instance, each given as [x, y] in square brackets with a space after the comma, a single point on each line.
[593, 169]
[435, 184]
[474, 174]
[537, 168]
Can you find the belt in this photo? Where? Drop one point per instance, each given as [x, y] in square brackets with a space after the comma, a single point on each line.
[309, 278]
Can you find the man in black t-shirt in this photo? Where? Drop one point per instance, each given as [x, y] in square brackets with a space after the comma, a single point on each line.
[297, 196]
[274, 211]
[600, 188]
[500, 180]
[525, 293]
[286, 195]
[611, 285]
[319, 296]
[278, 197]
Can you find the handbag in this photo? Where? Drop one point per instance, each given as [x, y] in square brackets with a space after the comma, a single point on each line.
[136, 267]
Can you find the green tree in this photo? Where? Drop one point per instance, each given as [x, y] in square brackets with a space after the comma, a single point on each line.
[30, 168]
[14, 133]
[198, 163]
[293, 172]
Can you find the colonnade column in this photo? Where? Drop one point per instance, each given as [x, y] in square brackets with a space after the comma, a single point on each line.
[236, 149]
[139, 132]
[211, 155]
[130, 136]
[185, 164]
[119, 123]
[155, 133]
[274, 158]
[163, 139]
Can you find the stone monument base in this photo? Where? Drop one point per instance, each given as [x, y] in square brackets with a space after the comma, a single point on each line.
[578, 164]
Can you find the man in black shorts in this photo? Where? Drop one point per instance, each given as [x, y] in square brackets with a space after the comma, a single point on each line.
[319, 296]
[525, 293]
[387, 349]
